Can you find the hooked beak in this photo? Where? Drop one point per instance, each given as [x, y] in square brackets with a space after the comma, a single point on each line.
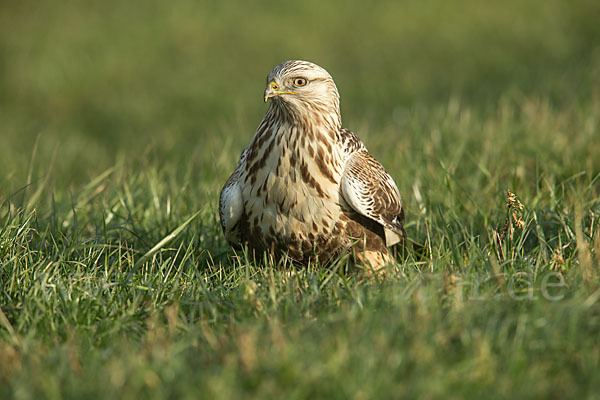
[272, 90]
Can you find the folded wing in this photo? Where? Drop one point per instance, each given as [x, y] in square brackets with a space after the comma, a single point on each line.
[370, 191]
[231, 204]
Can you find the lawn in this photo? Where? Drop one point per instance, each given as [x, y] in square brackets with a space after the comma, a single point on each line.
[120, 122]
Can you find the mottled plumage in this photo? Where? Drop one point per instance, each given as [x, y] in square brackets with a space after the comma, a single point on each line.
[305, 187]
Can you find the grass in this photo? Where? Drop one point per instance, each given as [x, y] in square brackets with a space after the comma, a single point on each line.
[121, 123]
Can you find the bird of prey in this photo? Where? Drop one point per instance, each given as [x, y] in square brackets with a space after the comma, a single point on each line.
[306, 188]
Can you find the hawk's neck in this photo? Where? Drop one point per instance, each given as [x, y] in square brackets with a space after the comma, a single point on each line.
[302, 148]
[310, 126]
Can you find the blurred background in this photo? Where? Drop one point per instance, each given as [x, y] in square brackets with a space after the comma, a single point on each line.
[98, 83]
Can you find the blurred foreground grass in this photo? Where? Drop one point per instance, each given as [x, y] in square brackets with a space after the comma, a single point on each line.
[122, 120]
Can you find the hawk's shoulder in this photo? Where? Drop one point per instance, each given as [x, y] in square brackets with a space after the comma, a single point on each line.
[349, 142]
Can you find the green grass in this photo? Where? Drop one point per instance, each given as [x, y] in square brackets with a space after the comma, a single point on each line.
[121, 121]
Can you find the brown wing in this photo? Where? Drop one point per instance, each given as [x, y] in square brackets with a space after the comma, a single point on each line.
[371, 192]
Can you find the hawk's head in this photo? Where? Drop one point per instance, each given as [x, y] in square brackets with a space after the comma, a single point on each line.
[302, 88]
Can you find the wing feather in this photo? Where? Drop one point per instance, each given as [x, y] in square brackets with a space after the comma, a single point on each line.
[371, 192]
[231, 204]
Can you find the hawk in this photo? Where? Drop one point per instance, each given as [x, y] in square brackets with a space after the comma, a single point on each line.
[306, 188]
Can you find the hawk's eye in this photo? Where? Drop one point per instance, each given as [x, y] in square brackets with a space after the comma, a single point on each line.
[299, 82]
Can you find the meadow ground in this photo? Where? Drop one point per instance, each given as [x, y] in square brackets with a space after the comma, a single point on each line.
[120, 121]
